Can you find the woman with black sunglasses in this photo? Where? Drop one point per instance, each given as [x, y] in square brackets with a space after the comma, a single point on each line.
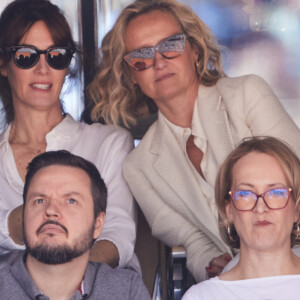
[36, 49]
[258, 194]
[159, 52]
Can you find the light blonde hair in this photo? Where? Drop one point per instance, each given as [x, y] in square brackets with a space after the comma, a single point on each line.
[116, 98]
[276, 148]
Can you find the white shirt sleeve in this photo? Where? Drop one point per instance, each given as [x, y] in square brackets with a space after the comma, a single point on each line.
[119, 225]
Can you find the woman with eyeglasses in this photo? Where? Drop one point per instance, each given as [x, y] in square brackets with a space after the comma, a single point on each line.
[36, 49]
[160, 52]
[257, 194]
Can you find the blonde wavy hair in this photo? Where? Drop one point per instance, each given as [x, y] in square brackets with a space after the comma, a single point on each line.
[286, 158]
[116, 98]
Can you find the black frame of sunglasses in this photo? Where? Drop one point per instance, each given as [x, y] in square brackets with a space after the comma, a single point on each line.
[13, 49]
[126, 57]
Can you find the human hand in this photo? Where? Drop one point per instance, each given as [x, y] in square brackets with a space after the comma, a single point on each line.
[105, 251]
[15, 225]
[217, 264]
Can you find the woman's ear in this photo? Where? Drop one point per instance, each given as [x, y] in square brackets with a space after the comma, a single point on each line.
[196, 54]
[297, 213]
[2, 69]
[132, 77]
[228, 210]
[196, 57]
[3, 72]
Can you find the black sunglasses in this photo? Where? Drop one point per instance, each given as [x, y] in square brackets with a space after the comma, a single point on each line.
[25, 57]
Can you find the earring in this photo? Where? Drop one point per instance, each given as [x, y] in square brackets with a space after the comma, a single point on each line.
[197, 65]
[297, 235]
[230, 236]
[133, 84]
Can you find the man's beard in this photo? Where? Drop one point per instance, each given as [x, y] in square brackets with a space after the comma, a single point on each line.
[60, 254]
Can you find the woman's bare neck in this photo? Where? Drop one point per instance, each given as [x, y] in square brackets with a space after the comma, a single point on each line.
[264, 264]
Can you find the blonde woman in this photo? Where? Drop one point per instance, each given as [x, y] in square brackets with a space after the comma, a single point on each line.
[159, 52]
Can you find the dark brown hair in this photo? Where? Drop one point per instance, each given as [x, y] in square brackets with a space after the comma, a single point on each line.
[15, 21]
[65, 158]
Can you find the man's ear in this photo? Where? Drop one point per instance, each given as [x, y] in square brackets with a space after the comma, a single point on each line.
[98, 224]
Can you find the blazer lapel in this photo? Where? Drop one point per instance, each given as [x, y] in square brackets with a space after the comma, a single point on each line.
[171, 165]
[213, 117]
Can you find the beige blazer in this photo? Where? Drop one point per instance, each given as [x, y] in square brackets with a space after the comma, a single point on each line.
[163, 182]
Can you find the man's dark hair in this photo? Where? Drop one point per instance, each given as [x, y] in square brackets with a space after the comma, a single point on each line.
[65, 158]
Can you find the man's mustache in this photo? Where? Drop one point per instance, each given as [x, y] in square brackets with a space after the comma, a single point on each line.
[54, 223]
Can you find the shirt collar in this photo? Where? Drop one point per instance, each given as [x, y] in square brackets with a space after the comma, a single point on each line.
[66, 129]
[182, 134]
[5, 134]
[89, 278]
[22, 276]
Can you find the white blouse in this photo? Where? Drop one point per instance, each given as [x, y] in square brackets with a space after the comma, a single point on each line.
[106, 147]
[285, 287]
[208, 164]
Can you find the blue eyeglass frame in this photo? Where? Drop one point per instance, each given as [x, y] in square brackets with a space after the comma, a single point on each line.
[289, 190]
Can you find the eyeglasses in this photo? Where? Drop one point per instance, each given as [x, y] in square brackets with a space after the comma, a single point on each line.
[144, 58]
[274, 199]
[25, 57]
